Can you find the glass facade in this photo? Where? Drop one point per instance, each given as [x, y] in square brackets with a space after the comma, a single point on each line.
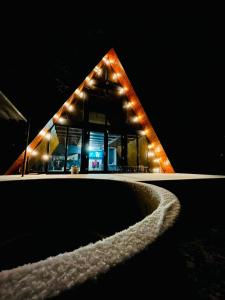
[96, 151]
[57, 148]
[74, 144]
[114, 153]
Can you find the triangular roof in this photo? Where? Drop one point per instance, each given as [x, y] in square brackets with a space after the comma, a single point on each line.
[111, 59]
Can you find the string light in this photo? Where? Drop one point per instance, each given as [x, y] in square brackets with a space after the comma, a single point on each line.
[122, 90]
[42, 132]
[98, 71]
[91, 82]
[114, 76]
[158, 149]
[151, 154]
[143, 132]
[56, 116]
[80, 94]
[34, 153]
[66, 104]
[135, 119]
[48, 136]
[61, 120]
[29, 150]
[71, 108]
[166, 162]
[157, 160]
[128, 105]
[45, 157]
[156, 170]
[106, 61]
[150, 146]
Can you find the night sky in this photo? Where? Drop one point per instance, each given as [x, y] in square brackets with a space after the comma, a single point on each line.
[175, 64]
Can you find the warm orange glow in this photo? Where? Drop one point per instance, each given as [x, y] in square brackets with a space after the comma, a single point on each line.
[158, 149]
[156, 170]
[126, 88]
[143, 132]
[106, 61]
[66, 104]
[151, 154]
[91, 82]
[151, 146]
[48, 136]
[80, 93]
[135, 119]
[34, 153]
[29, 149]
[127, 105]
[62, 120]
[45, 157]
[138, 109]
[157, 160]
[122, 90]
[71, 108]
[98, 71]
[166, 162]
[56, 116]
[114, 76]
[42, 132]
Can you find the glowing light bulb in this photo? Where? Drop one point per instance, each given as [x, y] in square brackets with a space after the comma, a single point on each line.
[166, 162]
[158, 149]
[151, 154]
[127, 105]
[56, 116]
[91, 82]
[48, 136]
[29, 149]
[66, 104]
[150, 146]
[45, 157]
[135, 119]
[98, 70]
[80, 93]
[122, 90]
[157, 160]
[42, 132]
[71, 108]
[156, 170]
[61, 120]
[106, 61]
[34, 153]
[114, 76]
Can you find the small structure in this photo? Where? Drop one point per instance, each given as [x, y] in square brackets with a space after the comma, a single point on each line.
[13, 127]
[102, 127]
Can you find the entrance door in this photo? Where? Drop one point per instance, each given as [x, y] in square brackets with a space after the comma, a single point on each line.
[96, 152]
